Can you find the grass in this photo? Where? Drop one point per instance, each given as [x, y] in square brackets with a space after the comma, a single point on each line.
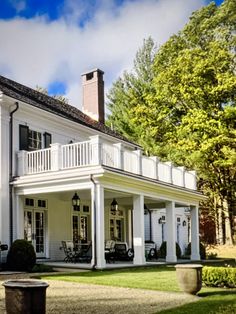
[223, 251]
[213, 300]
[152, 278]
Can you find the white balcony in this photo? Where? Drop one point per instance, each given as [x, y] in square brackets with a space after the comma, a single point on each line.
[95, 152]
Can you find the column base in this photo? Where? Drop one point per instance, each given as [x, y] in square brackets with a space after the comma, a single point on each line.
[101, 264]
[195, 257]
[171, 259]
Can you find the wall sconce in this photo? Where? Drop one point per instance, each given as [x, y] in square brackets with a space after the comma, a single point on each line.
[184, 223]
[160, 220]
[114, 205]
[76, 202]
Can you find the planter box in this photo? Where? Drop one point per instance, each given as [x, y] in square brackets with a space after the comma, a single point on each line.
[189, 277]
[25, 296]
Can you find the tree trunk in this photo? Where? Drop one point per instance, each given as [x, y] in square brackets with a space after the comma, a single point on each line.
[216, 220]
[228, 232]
[220, 223]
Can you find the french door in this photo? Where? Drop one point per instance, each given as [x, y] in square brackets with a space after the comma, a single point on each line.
[34, 230]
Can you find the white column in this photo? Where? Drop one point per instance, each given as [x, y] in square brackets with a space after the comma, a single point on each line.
[19, 214]
[138, 229]
[195, 256]
[22, 168]
[56, 157]
[99, 228]
[170, 233]
[96, 150]
[93, 217]
[119, 156]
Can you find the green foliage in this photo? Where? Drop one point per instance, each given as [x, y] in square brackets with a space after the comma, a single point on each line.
[42, 268]
[185, 109]
[21, 256]
[219, 276]
[127, 97]
[202, 250]
[162, 250]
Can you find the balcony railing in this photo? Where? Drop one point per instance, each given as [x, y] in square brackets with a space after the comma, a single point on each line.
[95, 152]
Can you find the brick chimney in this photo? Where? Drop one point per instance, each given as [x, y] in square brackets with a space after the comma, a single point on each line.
[93, 94]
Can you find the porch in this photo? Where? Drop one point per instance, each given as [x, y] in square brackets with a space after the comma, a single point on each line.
[96, 152]
[45, 216]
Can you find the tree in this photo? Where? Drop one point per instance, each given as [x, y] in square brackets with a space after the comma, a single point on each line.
[187, 113]
[58, 97]
[128, 95]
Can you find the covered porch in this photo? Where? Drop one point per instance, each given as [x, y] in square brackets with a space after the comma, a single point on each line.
[44, 213]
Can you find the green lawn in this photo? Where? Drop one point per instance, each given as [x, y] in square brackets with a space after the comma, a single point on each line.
[213, 300]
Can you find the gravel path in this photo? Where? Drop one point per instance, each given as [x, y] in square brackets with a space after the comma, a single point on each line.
[73, 298]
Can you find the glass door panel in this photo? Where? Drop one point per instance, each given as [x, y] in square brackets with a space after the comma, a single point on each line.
[34, 230]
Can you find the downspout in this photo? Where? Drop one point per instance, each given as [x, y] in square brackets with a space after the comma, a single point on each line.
[11, 171]
[94, 241]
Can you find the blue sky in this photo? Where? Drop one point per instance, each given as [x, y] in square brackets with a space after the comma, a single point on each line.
[49, 43]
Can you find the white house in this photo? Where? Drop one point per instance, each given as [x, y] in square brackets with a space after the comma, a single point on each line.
[51, 152]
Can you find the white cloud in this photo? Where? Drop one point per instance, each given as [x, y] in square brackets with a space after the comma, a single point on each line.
[36, 52]
[18, 5]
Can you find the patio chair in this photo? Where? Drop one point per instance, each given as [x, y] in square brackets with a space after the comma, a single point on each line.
[84, 252]
[123, 252]
[110, 251]
[68, 247]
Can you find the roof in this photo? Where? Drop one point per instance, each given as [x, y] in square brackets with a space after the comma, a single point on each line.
[34, 98]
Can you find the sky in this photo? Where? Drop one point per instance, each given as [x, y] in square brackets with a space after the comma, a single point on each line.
[50, 43]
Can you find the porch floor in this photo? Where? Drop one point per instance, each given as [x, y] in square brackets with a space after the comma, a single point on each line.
[118, 264]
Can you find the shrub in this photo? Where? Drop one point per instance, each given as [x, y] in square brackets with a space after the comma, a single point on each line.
[42, 268]
[162, 251]
[21, 256]
[219, 276]
[202, 250]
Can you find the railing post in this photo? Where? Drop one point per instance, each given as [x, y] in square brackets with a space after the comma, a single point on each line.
[56, 157]
[96, 150]
[139, 153]
[156, 161]
[22, 163]
[169, 163]
[119, 156]
[183, 176]
[193, 172]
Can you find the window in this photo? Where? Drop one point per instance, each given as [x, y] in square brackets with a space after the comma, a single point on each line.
[29, 202]
[35, 140]
[85, 208]
[42, 204]
[32, 140]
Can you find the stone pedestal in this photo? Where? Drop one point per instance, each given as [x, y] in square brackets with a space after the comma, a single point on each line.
[189, 277]
[25, 296]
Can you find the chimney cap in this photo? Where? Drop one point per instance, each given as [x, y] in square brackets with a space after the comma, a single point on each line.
[92, 71]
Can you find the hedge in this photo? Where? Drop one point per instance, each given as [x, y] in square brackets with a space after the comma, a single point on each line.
[219, 276]
[162, 251]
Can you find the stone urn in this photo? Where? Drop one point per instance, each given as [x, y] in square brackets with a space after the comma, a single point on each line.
[189, 277]
[25, 296]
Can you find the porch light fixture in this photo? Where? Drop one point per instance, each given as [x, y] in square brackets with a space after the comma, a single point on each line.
[160, 220]
[114, 205]
[76, 202]
[184, 223]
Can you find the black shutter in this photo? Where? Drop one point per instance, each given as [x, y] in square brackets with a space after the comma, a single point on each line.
[47, 140]
[24, 137]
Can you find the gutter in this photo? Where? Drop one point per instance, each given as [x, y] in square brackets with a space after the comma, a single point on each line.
[94, 240]
[11, 171]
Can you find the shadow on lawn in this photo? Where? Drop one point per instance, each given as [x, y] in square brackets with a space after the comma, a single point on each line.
[219, 292]
[220, 302]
